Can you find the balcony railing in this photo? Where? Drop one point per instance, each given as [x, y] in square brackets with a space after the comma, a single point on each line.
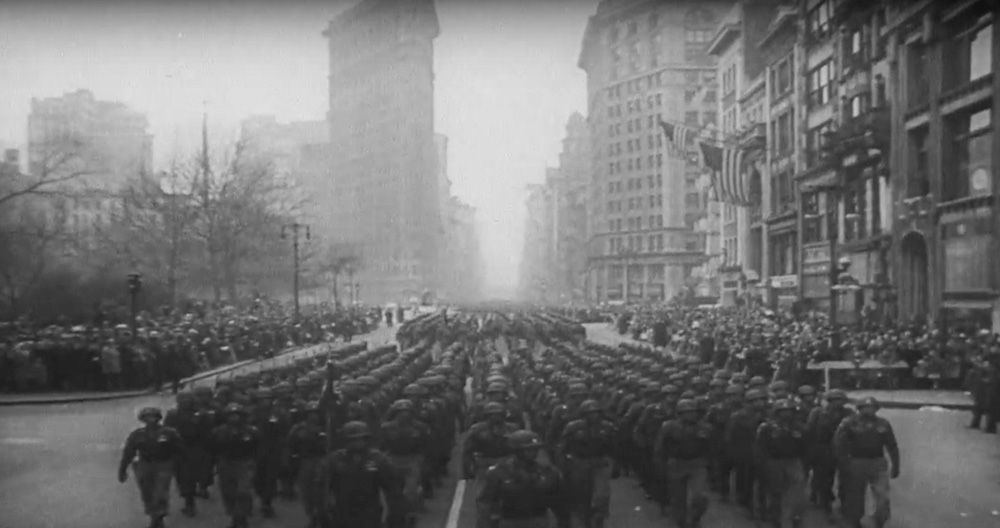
[869, 130]
[753, 137]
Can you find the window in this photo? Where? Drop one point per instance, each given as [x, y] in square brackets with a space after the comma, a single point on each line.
[691, 118]
[782, 199]
[783, 134]
[816, 140]
[781, 77]
[857, 105]
[818, 20]
[917, 84]
[970, 50]
[709, 118]
[818, 83]
[855, 209]
[783, 255]
[813, 217]
[971, 156]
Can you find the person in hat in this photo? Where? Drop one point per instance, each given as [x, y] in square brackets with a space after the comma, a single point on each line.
[861, 443]
[820, 428]
[307, 446]
[157, 448]
[235, 444]
[520, 491]
[780, 448]
[357, 477]
[585, 454]
[406, 441]
[684, 444]
[485, 445]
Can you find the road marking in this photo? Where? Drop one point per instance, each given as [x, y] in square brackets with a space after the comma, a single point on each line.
[456, 505]
[22, 441]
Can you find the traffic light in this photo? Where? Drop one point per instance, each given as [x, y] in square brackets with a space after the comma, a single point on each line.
[134, 282]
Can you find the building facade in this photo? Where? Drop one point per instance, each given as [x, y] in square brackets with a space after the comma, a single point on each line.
[645, 61]
[383, 190]
[536, 273]
[942, 63]
[96, 146]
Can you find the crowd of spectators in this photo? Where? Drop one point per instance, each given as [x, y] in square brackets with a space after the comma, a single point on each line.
[166, 347]
[776, 344]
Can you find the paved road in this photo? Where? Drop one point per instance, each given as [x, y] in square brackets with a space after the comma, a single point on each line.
[58, 463]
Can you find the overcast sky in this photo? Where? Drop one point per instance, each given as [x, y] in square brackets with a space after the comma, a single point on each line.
[506, 81]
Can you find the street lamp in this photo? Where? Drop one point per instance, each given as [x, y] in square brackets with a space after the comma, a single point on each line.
[134, 283]
[295, 227]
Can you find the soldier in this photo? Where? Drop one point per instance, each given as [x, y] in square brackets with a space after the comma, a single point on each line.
[357, 477]
[235, 445]
[406, 442]
[158, 448]
[520, 491]
[194, 455]
[273, 429]
[563, 414]
[683, 443]
[720, 465]
[307, 446]
[741, 432]
[820, 428]
[209, 417]
[780, 448]
[861, 443]
[485, 444]
[585, 455]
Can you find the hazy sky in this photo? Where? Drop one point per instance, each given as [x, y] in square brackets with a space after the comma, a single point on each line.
[506, 81]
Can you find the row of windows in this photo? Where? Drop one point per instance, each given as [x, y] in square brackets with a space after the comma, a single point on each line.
[615, 167]
[636, 202]
[635, 244]
[653, 141]
[692, 78]
[635, 184]
[635, 223]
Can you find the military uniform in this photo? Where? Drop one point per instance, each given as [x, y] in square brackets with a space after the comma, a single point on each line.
[781, 446]
[684, 444]
[158, 448]
[520, 493]
[820, 428]
[407, 443]
[586, 451]
[236, 449]
[861, 442]
[356, 481]
[307, 443]
[485, 445]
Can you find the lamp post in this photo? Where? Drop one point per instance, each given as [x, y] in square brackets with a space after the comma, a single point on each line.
[295, 227]
[134, 283]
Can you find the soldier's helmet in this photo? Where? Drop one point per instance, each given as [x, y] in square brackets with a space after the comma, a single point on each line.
[688, 395]
[784, 404]
[836, 394]
[754, 394]
[868, 402]
[577, 389]
[524, 439]
[736, 390]
[402, 405]
[670, 389]
[757, 381]
[496, 387]
[312, 407]
[717, 383]
[807, 390]
[355, 430]
[234, 408]
[414, 391]
[590, 406]
[779, 386]
[494, 408]
[150, 412]
[686, 405]
[651, 388]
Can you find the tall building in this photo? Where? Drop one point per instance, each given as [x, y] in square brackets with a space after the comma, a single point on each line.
[536, 274]
[571, 186]
[741, 81]
[942, 75]
[383, 184]
[645, 61]
[463, 257]
[96, 147]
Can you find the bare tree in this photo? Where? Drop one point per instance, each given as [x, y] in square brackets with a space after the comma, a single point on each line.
[339, 259]
[55, 165]
[30, 237]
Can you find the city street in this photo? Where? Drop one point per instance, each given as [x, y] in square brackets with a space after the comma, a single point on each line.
[58, 468]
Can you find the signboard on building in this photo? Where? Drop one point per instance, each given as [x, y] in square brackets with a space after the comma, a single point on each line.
[783, 282]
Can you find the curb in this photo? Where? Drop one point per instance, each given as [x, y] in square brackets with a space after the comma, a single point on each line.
[919, 405]
[134, 394]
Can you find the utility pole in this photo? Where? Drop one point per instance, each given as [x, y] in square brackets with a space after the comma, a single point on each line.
[134, 285]
[295, 227]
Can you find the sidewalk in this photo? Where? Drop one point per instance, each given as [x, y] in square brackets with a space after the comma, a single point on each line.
[899, 399]
[380, 336]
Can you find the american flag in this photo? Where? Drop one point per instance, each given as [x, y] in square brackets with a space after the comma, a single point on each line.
[726, 164]
[677, 136]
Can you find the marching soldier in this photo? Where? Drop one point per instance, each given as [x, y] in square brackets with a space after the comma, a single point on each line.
[235, 445]
[307, 446]
[585, 454]
[158, 448]
[861, 443]
[485, 444]
[357, 477]
[189, 423]
[520, 491]
[741, 432]
[406, 442]
[684, 443]
[780, 448]
[820, 429]
[273, 430]
[720, 465]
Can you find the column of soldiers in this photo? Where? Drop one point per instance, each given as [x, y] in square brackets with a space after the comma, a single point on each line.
[552, 421]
